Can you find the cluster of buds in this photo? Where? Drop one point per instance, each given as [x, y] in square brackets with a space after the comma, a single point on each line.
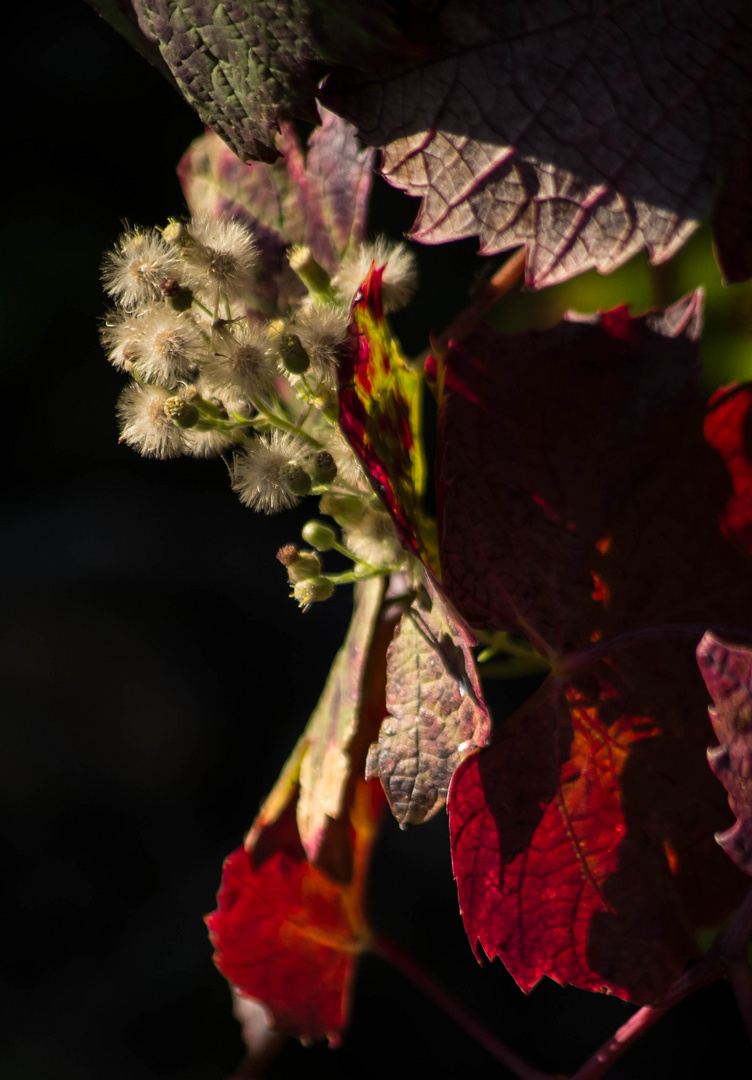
[208, 375]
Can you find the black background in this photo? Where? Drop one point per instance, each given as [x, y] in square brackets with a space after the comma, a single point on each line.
[155, 676]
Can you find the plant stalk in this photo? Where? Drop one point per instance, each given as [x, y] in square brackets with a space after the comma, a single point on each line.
[420, 978]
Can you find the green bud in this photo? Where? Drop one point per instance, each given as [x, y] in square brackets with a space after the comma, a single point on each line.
[347, 510]
[293, 356]
[311, 273]
[313, 590]
[318, 535]
[295, 479]
[324, 468]
[182, 413]
[178, 296]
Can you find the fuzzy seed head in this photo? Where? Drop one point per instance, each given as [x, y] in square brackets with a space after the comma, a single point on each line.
[170, 346]
[133, 271]
[239, 365]
[257, 474]
[121, 338]
[400, 272]
[220, 256]
[206, 444]
[322, 329]
[374, 540]
[348, 465]
[144, 424]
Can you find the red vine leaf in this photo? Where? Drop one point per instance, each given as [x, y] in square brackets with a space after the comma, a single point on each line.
[550, 878]
[289, 936]
[585, 132]
[436, 712]
[727, 670]
[526, 487]
[318, 198]
[289, 923]
[379, 412]
[582, 835]
[728, 428]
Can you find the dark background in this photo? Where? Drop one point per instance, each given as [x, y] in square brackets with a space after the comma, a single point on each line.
[155, 675]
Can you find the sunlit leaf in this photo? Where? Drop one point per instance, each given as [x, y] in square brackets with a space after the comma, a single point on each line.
[289, 936]
[585, 132]
[437, 715]
[727, 670]
[379, 412]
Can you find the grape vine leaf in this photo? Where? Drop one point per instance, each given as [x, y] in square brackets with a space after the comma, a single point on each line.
[285, 933]
[243, 65]
[290, 925]
[526, 487]
[320, 771]
[246, 66]
[585, 131]
[318, 198]
[549, 876]
[342, 714]
[436, 712]
[582, 836]
[380, 414]
[727, 670]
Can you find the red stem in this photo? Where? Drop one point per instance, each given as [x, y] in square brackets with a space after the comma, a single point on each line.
[505, 277]
[517, 1065]
[726, 957]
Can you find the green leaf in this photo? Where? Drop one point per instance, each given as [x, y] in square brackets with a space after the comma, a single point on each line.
[244, 65]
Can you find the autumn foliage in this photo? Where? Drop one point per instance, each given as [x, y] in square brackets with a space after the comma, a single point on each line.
[593, 509]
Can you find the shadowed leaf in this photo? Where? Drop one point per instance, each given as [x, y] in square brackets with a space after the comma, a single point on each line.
[437, 715]
[727, 670]
[379, 412]
[582, 836]
[318, 198]
[527, 486]
[728, 429]
[586, 132]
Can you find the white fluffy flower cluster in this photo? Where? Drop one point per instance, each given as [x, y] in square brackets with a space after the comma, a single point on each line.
[207, 374]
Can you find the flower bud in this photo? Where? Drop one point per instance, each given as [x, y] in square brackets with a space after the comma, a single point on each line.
[347, 510]
[301, 565]
[318, 535]
[296, 479]
[311, 273]
[181, 412]
[175, 232]
[292, 355]
[314, 589]
[324, 468]
[178, 296]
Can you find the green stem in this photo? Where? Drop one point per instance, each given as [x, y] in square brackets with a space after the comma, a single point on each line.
[273, 419]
